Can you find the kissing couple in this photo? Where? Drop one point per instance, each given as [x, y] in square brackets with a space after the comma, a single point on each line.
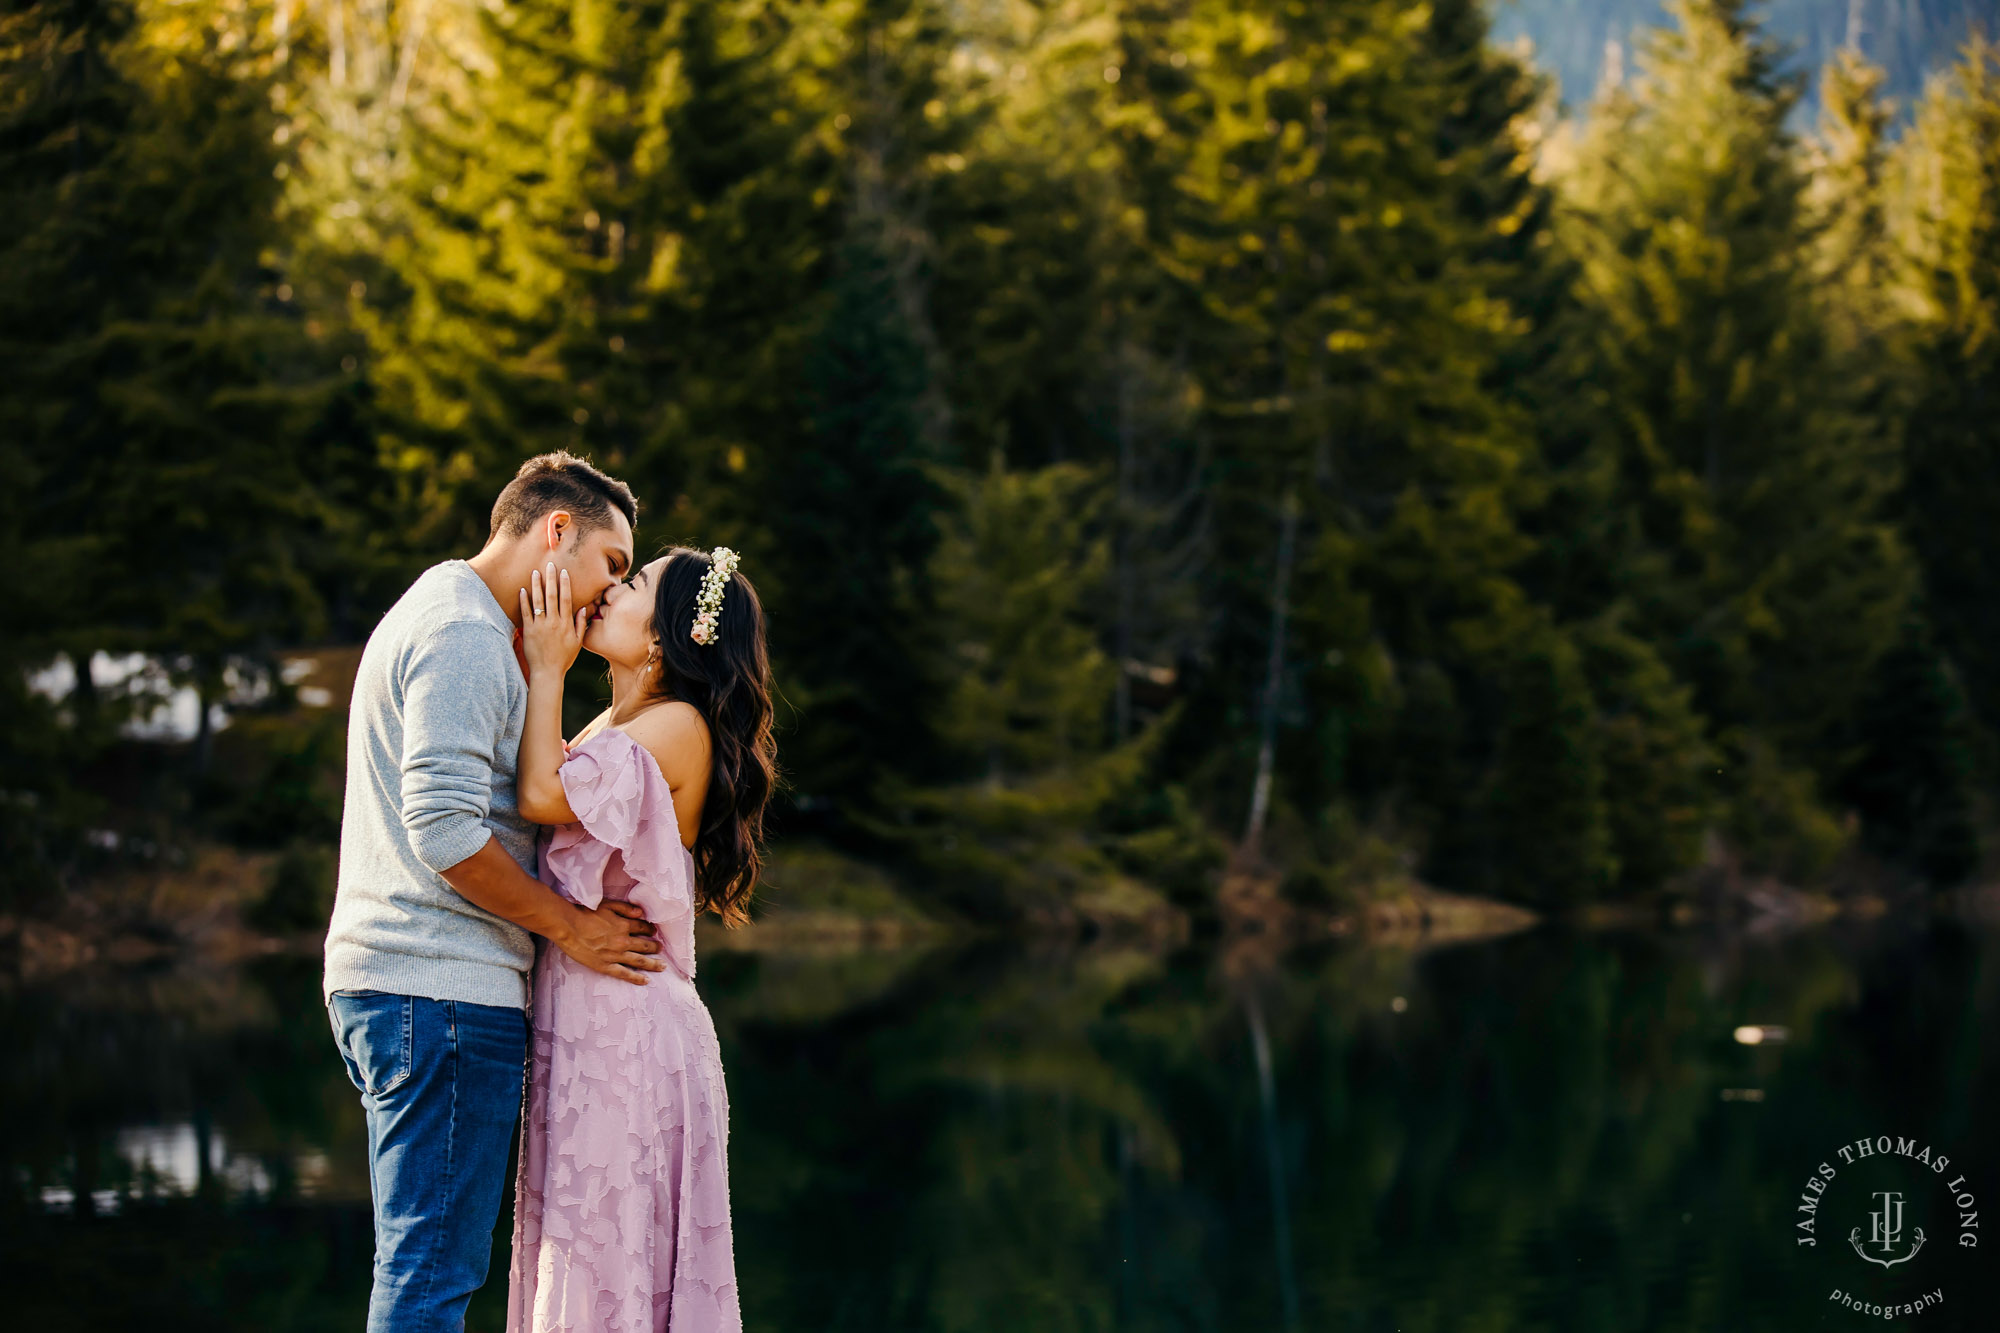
[514, 922]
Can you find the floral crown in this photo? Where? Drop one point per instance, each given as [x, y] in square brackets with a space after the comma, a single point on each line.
[722, 563]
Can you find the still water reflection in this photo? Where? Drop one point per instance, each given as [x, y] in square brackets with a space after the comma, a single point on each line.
[1551, 1131]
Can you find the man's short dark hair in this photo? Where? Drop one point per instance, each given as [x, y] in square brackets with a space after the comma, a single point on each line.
[561, 480]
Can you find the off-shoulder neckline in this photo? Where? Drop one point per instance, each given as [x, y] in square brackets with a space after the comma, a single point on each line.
[651, 758]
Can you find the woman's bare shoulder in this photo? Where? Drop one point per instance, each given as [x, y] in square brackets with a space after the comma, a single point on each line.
[589, 729]
[676, 734]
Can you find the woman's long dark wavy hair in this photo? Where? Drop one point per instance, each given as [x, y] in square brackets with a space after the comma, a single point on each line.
[729, 683]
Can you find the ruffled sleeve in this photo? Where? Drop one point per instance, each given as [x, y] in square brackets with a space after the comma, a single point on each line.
[623, 807]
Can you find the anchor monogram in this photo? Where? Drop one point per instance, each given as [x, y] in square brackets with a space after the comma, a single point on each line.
[1885, 1230]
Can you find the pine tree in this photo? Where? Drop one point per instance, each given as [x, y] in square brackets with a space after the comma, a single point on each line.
[1748, 473]
[180, 422]
[515, 240]
[1909, 771]
[1849, 191]
[1064, 338]
[1027, 683]
[1346, 323]
[1024, 691]
[1911, 775]
[860, 504]
[66, 107]
[1948, 168]
[1550, 838]
[685, 238]
[1657, 759]
[1541, 558]
[858, 481]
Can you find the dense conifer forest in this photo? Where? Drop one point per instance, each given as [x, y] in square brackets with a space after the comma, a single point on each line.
[1161, 430]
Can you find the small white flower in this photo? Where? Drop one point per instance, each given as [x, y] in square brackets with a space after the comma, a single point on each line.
[708, 603]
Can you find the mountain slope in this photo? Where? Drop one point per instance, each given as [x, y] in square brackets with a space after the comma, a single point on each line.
[1908, 38]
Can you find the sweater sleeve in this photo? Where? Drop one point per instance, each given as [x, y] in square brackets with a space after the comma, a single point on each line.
[455, 715]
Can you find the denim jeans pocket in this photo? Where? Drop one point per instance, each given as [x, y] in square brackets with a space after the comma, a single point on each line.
[376, 1033]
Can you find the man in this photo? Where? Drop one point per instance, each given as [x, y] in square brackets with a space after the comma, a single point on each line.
[429, 952]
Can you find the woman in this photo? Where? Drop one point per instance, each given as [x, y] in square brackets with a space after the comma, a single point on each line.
[621, 1210]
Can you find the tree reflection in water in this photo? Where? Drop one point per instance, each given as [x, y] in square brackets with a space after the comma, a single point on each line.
[1011, 1137]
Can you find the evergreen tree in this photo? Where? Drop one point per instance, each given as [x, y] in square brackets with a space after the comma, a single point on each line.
[1536, 523]
[857, 482]
[1748, 471]
[1910, 772]
[860, 504]
[1911, 775]
[1346, 322]
[1948, 169]
[1064, 337]
[1657, 759]
[680, 237]
[67, 105]
[1024, 690]
[185, 434]
[1857, 255]
[1026, 681]
[514, 242]
[1550, 839]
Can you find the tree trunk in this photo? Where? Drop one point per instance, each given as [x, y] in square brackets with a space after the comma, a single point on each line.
[204, 729]
[83, 1183]
[88, 704]
[206, 1184]
[1274, 674]
[1281, 1221]
[336, 43]
[1124, 575]
[406, 57]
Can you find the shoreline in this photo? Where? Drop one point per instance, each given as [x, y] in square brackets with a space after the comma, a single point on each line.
[821, 902]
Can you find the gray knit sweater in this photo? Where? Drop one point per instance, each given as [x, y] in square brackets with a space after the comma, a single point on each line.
[432, 739]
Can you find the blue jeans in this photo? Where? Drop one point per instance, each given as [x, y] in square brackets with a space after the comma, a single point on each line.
[441, 1082]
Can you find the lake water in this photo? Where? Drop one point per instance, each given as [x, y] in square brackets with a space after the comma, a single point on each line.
[1549, 1131]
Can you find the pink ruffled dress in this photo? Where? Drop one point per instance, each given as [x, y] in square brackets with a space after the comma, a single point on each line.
[621, 1208]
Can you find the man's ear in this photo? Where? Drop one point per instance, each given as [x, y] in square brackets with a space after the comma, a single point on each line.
[556, 528]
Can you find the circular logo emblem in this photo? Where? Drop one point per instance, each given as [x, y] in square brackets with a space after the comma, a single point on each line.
[1883, 1218]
